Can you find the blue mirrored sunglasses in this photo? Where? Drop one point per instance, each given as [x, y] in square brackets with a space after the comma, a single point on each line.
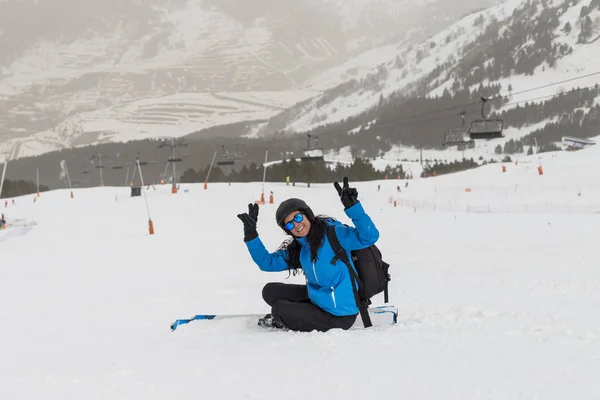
[297, 218]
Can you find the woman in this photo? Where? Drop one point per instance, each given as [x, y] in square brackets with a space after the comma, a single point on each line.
[327, 300]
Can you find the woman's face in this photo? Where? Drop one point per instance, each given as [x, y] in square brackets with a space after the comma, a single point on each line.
[297, 223]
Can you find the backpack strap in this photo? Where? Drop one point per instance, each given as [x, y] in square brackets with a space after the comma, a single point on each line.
[341, 254]
[388, 278]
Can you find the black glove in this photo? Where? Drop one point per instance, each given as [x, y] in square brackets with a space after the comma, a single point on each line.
[250, 219]
[348, 195]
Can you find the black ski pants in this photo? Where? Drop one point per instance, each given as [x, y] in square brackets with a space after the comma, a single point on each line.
[291, 306]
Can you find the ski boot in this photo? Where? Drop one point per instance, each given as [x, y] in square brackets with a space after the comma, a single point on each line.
[268, 321]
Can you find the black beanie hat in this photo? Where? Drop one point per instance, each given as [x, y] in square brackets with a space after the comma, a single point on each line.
[291, 205]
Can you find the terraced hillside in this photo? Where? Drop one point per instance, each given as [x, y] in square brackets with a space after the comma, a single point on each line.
[73, 71]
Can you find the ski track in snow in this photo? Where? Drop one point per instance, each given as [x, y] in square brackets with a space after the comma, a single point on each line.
[492, 306]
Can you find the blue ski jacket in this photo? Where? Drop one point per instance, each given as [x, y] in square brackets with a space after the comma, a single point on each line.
[329, 285]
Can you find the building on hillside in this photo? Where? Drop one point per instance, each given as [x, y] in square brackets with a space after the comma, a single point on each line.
[572, 143]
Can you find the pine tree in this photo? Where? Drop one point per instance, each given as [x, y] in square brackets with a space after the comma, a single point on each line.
[586, 30]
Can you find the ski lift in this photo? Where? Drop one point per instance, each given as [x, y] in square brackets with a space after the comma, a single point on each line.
[164, 176]
[173, 143]
[312, 154]
[116, 163]
[226, 158]
[458, 137]
[178, 156]
[142, 161]
[486, 128]
[97, 160]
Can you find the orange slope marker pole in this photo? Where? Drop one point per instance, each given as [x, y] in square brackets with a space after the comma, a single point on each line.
[150, 224]
[539, 168]
[65, 168]
[209, 169]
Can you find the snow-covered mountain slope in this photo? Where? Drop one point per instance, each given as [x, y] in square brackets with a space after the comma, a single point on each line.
[169, 115]
[493, 306]
[517, 45]
[61, 71]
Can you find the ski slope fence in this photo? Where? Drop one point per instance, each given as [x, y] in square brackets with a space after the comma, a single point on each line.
[450, 206]
[507, 190]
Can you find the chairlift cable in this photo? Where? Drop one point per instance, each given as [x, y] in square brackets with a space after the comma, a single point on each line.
[439, 114]
[547, 85]
[431, 116]
[462, 106]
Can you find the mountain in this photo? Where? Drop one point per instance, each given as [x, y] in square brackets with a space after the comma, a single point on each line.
[76, 72]
[525, 55]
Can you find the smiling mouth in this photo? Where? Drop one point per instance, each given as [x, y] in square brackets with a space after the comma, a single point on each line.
[300, 228]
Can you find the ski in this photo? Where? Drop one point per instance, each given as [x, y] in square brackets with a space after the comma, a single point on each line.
[209, 317]
[380, 316]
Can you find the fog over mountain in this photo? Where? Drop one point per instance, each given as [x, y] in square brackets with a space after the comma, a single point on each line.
[76, 72]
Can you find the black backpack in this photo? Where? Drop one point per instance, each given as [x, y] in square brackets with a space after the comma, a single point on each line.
[372, 277]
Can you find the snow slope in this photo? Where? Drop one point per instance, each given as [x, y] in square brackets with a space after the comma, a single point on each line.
[494, 306]
[395, 68]
[567, 185]
[398, 69]
[172, 115]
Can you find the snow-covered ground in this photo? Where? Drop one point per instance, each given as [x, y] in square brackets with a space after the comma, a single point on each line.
[567, 185]
[492, 306]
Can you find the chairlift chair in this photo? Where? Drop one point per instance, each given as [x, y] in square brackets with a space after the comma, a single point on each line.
[225, 162]
[312, 154]
[486, 128]
[143, 162]
[464, 146]
[115, 162]
[227, 158]
[458, 136]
